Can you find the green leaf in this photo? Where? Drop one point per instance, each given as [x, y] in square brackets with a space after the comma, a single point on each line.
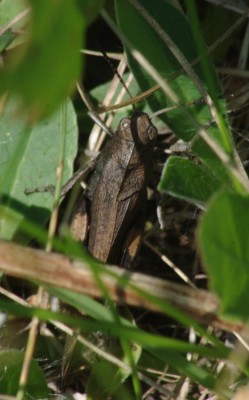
[10, 368]
[6, 39]
[182, 120]
[106, 379]
[224, 245]
[44, 70]
[28, 159]
[84, 304]
[90, 9]
[10, 9]
[186, 180]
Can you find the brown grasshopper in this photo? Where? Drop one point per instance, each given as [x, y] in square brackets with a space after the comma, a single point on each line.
[109, 216]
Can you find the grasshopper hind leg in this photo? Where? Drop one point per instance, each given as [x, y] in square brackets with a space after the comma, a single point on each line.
[80, 220]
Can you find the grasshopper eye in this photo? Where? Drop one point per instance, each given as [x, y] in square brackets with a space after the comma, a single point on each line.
[124, 129]
[152, 132]
[125, 123]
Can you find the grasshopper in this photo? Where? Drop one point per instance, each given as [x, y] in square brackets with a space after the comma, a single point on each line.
[109, 215]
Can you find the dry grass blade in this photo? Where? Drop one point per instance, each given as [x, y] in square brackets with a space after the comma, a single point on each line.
[60, 271]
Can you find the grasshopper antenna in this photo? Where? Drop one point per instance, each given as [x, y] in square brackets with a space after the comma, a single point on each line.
[114, 69]
[190, 103]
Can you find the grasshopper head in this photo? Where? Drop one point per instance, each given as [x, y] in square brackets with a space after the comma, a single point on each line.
[138, 128]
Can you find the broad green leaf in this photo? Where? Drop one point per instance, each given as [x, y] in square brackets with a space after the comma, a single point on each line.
[10, 9]
[185, 119]
[106, 380]
[224, 245]
[187, 180]
[44, 70]
[28, 159]
[10, 368]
